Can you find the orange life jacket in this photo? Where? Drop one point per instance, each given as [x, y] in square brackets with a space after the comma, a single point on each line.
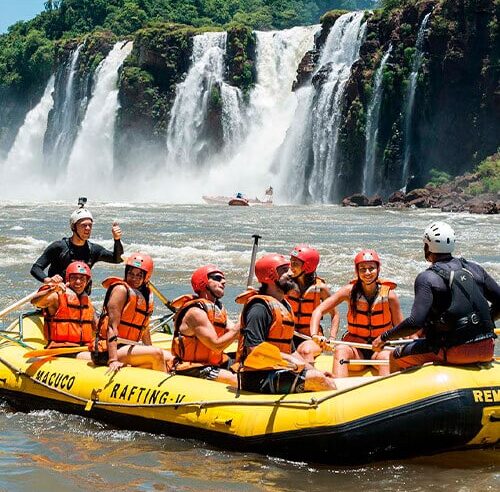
[188, 348]
[369, 322]
[72, 322]
[281, 330]
[135, 314]
[304, 304]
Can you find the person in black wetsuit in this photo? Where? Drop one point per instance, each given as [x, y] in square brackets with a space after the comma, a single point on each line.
[59, 254]
[451, 305]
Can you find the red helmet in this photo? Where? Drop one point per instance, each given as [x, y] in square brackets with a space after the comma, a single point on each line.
[142, 261]
[266, 268]
[308, 255]
[199, 279]
[366, 255]
[79, 267]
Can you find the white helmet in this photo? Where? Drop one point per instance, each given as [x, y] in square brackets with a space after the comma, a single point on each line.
[440, 237]
[79, 214]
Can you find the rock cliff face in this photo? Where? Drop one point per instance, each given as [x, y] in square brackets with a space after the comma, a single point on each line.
[455, 121]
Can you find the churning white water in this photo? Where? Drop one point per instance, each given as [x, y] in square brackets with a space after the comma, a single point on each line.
[91, 162]
[25, 158]
[372, 121]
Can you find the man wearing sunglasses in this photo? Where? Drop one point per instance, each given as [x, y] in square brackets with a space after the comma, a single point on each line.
[202, 330]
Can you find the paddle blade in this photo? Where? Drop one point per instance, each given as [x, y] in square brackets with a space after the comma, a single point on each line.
[54, 351]
[265, 356]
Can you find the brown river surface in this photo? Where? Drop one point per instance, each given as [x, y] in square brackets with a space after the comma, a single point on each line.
[51, 451]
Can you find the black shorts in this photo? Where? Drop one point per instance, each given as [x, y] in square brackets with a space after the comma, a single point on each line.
[280, 381]
[205, 372]
[101, 358]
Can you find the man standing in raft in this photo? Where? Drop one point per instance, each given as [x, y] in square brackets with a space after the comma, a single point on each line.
[202, 330]
[451, 304]
[69, 316]
[127, 307]
[373, 308]
[59, 254]
[267, 317]
[309, 291]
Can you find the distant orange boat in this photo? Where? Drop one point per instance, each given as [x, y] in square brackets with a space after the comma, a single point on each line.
[239, 199]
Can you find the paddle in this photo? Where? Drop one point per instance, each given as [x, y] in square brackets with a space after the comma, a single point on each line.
[497, 331]
[162, 298]
[69, 350]
[365, 362]
[251, 269]
[340, 342]
[266, 356]
[19, 303]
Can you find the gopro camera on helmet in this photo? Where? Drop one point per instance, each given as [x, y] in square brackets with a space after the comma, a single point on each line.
[82, 201]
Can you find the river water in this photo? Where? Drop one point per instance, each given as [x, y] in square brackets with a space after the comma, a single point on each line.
[47, 451]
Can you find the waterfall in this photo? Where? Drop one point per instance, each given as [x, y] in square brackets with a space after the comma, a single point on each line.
[64, 121]
[189, 132]
[410, 98]
[91, 160]
[251, 133]
[372, 121]
[24, 160]
[309, 153]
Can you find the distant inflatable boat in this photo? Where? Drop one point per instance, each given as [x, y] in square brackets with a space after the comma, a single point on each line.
[421, 411]
[239, 199]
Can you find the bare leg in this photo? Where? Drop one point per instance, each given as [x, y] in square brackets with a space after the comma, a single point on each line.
[383, 355]
[343, 352]
[142, 356]
[309, 350]
[317, 381]
[84, 355]
[227, 377]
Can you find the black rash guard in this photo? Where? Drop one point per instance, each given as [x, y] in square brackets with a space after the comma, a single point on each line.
[59, 254]
[258, 320]
[433, 295]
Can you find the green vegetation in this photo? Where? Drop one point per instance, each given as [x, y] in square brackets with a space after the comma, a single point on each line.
[488, 173]
[439, 178]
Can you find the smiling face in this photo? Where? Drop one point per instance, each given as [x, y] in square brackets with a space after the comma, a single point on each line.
[368, 271]
[134, 277]
[77, 282]
[296, 266]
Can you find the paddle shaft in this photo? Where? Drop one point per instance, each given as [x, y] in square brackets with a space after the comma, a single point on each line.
[340, 342]
[255, 246]
[162, 298]
[364, 362]
[17, 304]
[69, 350]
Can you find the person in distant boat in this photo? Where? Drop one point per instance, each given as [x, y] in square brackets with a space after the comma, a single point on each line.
[202, 330]
[69, 316]
[59, 254]
[373, 308]
[124, 321]
[267, 317]
[451, 304]
[309, 291]
[239, 195]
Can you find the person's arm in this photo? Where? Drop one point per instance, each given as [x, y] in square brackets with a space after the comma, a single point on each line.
[197, 322]
[327, 307]
[492, 294]
[115, 305]
[46, 259]
[48, 298]
[421, 306]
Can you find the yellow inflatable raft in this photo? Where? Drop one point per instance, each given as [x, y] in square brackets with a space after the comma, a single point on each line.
[426, 410]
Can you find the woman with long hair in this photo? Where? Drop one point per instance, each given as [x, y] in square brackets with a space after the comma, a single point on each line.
[373, 307]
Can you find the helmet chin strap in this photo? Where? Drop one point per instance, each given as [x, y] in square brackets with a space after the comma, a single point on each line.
[212, 293]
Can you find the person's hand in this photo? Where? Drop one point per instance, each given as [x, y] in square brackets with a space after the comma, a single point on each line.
[321, 341]
[55, 279]
[116, 231]
[378, 344]
[114, 366]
